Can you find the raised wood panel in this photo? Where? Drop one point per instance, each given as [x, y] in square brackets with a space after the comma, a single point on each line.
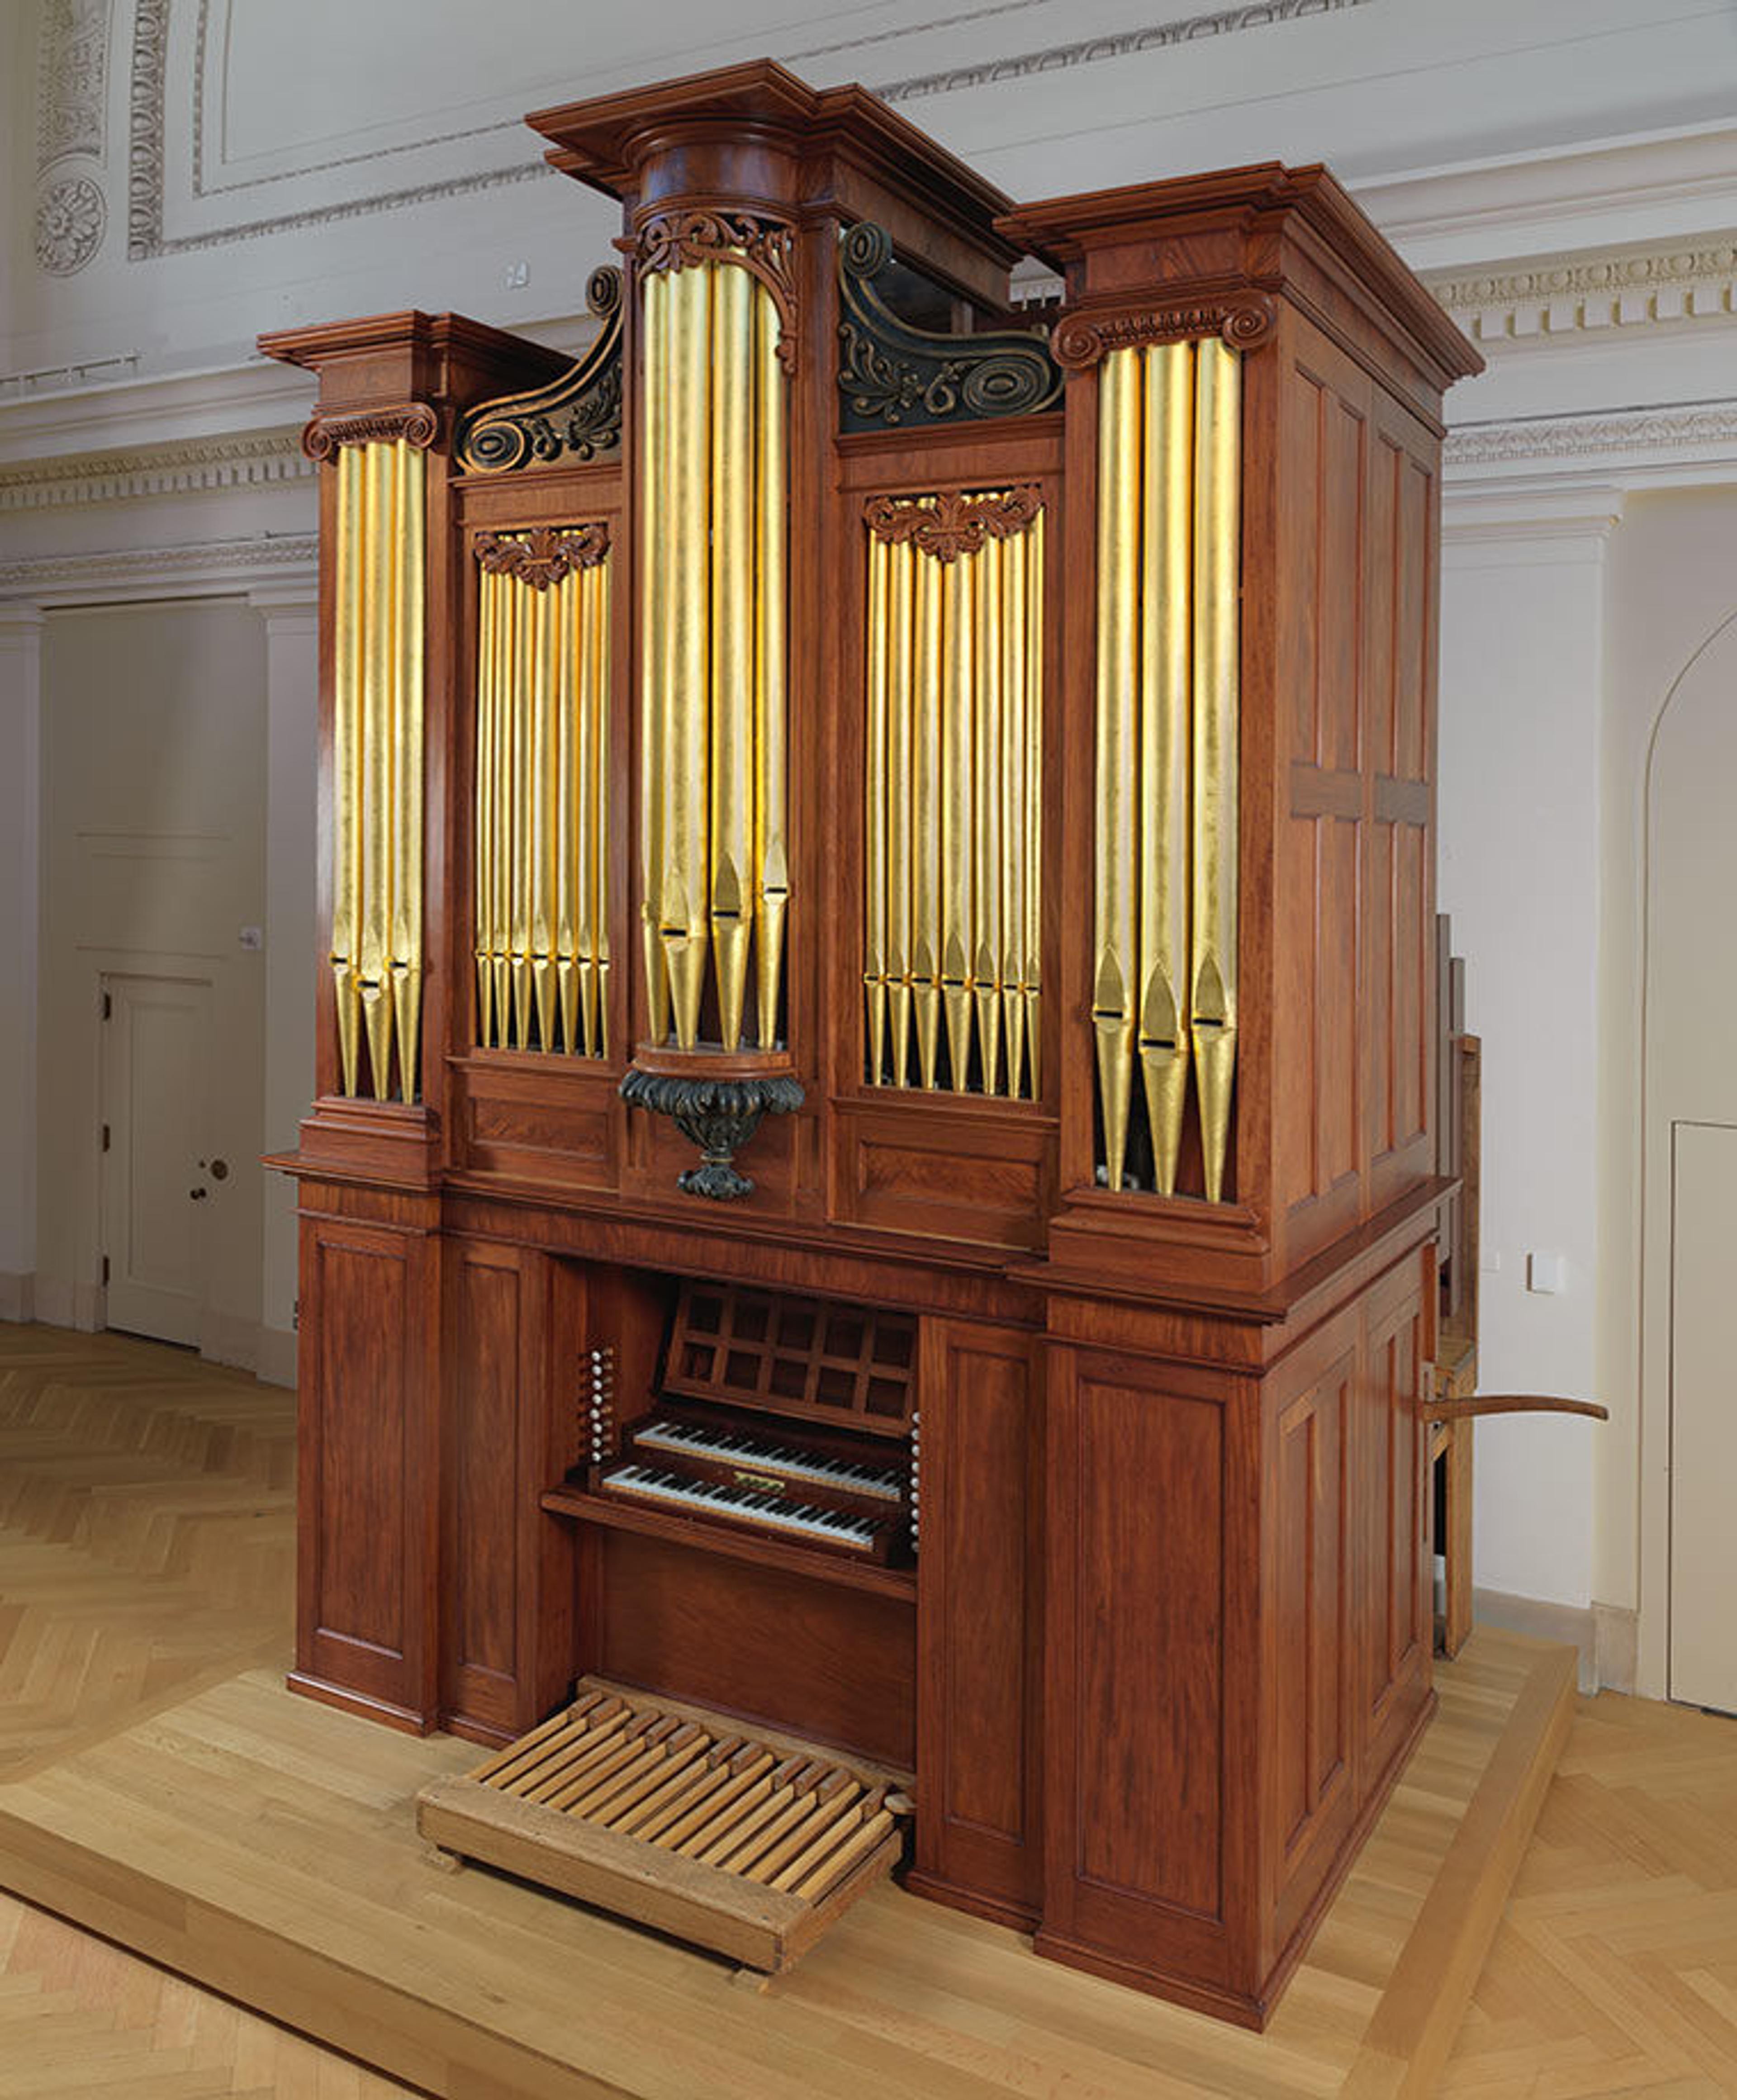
[979, 1652]
[366, 1470]
[1148, 1623]
[1394, 1569]
[923, 1164]
[835, 1663]
[483, 1573]
[557, 1126]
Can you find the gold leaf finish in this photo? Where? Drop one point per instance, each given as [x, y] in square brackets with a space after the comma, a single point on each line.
[952, 812]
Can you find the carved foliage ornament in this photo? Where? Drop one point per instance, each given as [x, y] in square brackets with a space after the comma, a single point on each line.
[952, 523]
[543, 556]
[1244, 319]
[580, 413]
[764, 247]
[415, 422]
[890, 373]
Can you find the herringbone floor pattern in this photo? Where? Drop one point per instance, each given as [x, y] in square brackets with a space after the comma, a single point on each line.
[79, 2016]
[147, 1545]
[1615, 1970]
[146, 1532]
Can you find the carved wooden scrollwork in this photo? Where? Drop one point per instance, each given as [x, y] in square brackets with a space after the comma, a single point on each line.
[416, 422]
[1243, 319]
[892, 373]
[764, 247]
[544, 555]
[952, 523]
[579, 413]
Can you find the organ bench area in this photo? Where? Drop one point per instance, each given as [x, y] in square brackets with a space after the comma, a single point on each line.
[873, 1169]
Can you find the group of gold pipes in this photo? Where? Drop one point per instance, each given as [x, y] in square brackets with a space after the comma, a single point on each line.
[542, 801]
[712, 512]
[377, 873]
[1163, 986]
[954, 811]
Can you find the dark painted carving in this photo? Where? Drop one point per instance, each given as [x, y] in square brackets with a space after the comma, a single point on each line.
[718, 1115]
[578, 415]
[893, 374]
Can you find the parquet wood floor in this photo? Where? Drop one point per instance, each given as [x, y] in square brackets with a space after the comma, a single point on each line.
[1615, 1970]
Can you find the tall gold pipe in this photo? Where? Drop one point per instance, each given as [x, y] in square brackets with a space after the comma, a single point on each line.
[900, 789]
[541, 711]
[568, 813]
[656, 638]
[488, 604]
[926, 818]
[506, 685]
[595, 983]
[409, 537]
[1031, 975]
[1012, 787]
[347, 865]
[578, 951]
[1165, 615]
[771, 858]
[688, 522]
[1216, 579]
[1114, 936]
[958, 705]
[988, 831]
[376, 765]
[732, 623]
[518, 860]
[874, 809]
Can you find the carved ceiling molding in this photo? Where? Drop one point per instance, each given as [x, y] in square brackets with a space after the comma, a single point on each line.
[1563, 296]
[545, 554]
[952, 523]
[1092, 51]
[71, 81]
[239, 462]
[1703, 426]
[197, 567]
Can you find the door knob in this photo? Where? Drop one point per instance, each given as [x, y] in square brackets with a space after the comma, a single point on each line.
[198, 1195]
[219, 1170]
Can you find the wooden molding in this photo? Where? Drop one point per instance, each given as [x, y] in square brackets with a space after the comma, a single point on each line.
[952, 523]
[1080, 339]
[544, 555]
[416, 422]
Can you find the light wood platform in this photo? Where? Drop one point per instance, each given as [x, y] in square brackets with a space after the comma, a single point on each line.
[264, 1845]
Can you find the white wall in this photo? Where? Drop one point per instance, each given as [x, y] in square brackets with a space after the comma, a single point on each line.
[1565, 170]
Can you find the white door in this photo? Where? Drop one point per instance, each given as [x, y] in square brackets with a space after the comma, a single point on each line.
[157, 1166]
[1703, 1417]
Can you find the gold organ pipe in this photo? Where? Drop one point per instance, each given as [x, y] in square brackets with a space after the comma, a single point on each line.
[406, 553]
[875, 963]
[656, 708]
[488, 684]
[1115, 904]
[541, 851]
[897, 648]
[346, 864]
[958, 705]
[1031, 974]
[926, 818]
[569, 809]
[772, 860]
[987, 833]
[1165, 613]
[732, 640]
[682, 926]
[952, 698]
[1217, 579]
[376, 765]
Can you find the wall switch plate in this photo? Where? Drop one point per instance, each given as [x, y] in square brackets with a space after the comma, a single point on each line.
[1547, 1273]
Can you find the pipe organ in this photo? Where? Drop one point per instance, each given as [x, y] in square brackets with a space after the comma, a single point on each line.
[877, 864]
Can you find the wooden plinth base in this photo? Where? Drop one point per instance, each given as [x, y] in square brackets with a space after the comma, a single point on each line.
[267, 1847]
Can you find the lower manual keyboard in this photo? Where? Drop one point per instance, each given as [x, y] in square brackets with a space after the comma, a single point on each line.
[781, 1514]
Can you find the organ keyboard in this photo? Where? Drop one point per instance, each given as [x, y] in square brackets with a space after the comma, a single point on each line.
[828, 1474]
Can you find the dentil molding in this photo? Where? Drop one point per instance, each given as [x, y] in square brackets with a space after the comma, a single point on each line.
[200, 568]
[1555, 298]
[228, 463]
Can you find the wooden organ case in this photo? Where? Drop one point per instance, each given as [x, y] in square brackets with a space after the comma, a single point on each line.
[879, 862]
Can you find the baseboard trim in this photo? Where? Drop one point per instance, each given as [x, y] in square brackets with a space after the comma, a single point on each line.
[57, 1303]
[1606, 1637]
[275, 1362]
[18, 1296]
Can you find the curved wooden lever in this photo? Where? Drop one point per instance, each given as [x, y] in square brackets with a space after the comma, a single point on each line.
[1509, 1403]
